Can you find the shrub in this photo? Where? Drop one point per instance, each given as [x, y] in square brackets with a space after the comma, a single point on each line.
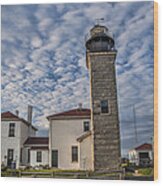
[145, 171]
[3, 167]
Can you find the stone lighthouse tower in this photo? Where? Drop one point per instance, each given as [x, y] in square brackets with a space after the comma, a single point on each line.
[100, 60]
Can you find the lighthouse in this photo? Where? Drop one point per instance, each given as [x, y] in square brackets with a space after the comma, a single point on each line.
[100, 61]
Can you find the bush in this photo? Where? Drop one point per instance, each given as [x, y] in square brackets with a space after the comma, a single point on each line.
[3, 168]
[130, 169]
[46, 167]
[145, 171]
[28, 167]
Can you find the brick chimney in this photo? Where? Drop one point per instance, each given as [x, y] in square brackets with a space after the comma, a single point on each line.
[80, 106]
[29, 116]
[17, 113]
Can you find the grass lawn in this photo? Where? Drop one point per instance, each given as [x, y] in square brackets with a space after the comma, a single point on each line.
[43, 172]
[146, 171]
[55, 173]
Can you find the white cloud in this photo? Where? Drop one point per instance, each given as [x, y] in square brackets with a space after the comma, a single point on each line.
[36, 42]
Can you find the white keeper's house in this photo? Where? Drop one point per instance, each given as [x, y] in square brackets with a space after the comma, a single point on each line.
[70, 140]
[19, 144]
[14, 132]
[69, 145]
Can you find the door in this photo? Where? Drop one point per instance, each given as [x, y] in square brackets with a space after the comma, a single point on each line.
[54, 158]
[144, 159]
[10, 157]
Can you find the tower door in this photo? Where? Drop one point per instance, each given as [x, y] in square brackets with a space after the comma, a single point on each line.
[10, 157]
[54, 158]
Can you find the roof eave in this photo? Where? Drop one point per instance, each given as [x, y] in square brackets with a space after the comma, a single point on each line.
[68, 117]
[10, 119]
[84, 136]
[19, 119]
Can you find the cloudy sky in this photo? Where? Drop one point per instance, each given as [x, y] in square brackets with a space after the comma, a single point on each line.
[43, 61]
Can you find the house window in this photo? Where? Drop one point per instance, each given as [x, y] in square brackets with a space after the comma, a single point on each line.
[86, 126]
[39, 156]
[12, 130]
[74, 154]
[10, 154]
[104, 106]
[21, 154]
[28, 155]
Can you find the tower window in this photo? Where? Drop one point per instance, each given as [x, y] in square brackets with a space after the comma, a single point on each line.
[74, 154]
[86, 126]
[104, 106]
[12, 130]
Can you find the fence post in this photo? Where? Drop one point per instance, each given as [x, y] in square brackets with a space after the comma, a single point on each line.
[87, 174]
[120, 176]
[123, 173]
[53, 174]
[20, 173]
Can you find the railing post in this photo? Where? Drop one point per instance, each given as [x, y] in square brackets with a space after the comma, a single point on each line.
[120, 176]
[19, 173]
[87, 174]
[123, 173]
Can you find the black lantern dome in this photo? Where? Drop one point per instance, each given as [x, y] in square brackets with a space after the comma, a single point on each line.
[99, 39]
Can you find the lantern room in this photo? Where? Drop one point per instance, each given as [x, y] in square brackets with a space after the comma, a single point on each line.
[99, 39]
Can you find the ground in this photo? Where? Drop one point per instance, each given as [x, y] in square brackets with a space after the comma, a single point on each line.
[145, 174]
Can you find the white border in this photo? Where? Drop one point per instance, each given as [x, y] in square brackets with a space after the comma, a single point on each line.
[60, 1]
[43, 182]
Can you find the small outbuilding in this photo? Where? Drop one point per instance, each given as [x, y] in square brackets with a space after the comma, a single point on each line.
[38, 151]
[141, 155]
